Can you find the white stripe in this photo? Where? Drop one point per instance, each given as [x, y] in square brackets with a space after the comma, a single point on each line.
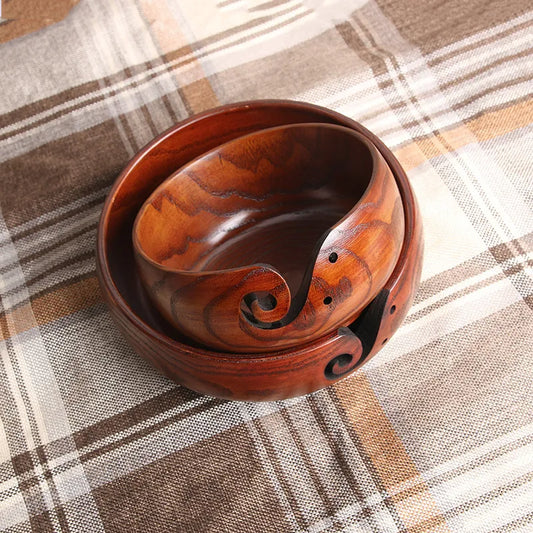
[446, 319]
[494, 513]
[472, 456]
[13, 511]
[51, 235]
[266, 463]
[21, 295]
[76, 206]
[465, 284]
[483, 478]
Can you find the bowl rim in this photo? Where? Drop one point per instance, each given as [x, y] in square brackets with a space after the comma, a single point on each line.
[118, 301]
[372, 150]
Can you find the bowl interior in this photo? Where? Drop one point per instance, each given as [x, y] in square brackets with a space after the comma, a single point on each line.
[156, 162]
[268, 197]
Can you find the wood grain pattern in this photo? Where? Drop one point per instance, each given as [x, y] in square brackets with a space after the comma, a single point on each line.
[245, 376]
[273, 239]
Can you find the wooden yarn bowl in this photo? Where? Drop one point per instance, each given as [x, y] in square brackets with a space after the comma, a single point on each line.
[273, 239]
[242, 376]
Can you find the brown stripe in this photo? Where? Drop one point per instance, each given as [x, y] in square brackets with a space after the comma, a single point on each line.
[400, 103]
[483, 459]
[60, 172]
[59, 511]
[441, 302]
[511, 249]
[22, 462]
[32, 256]
[329, 505]
[515, 524]
[515, 248]
[140, 413]
[353, 41]
[437, 24]
[48, 103]
[51, 307]
[487, 66]
[27, 16]
[340, 456]
[441, 281]
[367, 461]
[386, 451]
[267, 5]
[280, 475]
[225, 3]
[29, 110]
[78, 210]
[374, 57]
[212, 486]
[143, 432]
[425, 118]
[213, 39]
[36, 295]
[30, 490]
[490, 90]
[42, 523]
[491, 495]
[125, 74]
[492, 40]
[29, 281]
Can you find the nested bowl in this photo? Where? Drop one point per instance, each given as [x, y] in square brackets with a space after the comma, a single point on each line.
[244, 376]
[272, 239]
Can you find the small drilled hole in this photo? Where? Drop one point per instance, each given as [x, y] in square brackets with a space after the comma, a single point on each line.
[392, 309]
[328, 300]
[333, 257]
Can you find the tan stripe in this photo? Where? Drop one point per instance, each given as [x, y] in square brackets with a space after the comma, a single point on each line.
[198, 95]
[51, 307]
[26, 16]
[488, 126]
[388, 454]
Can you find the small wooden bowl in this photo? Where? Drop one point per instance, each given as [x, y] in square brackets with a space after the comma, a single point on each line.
[268, 376]
[310, 210]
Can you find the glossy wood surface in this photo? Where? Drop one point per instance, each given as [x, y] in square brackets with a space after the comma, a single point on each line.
[244, 376]
[271, 240]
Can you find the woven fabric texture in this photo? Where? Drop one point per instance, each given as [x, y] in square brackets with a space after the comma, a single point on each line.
[434, 434]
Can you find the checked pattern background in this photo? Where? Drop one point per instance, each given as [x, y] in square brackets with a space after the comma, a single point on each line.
[435, 434]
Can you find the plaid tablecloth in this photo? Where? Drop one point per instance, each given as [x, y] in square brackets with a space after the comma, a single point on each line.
[434, 434]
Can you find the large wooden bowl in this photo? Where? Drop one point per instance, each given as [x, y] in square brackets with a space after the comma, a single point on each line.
[268, 376]
[273, 239]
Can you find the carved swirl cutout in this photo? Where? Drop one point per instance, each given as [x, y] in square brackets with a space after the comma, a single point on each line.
[340, 365]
